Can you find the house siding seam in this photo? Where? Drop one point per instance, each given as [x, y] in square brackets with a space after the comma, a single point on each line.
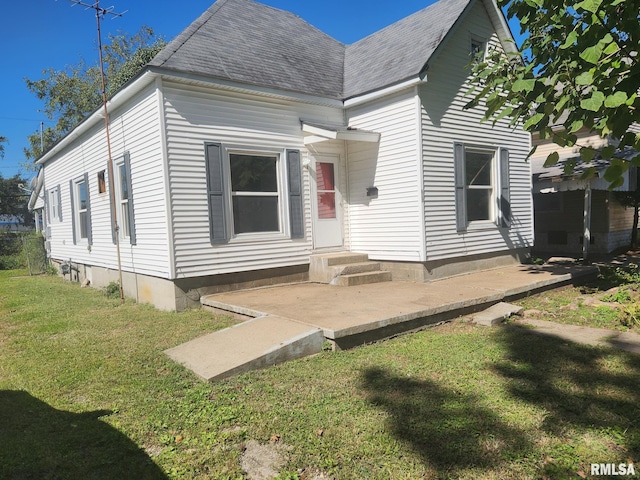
[387, 227]
[444, 121]
[196, 115]
[135, 129]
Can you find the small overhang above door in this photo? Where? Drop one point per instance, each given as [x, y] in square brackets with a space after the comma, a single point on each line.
[317, 133]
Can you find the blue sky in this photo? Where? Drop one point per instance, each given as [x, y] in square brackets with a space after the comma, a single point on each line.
[40, 34]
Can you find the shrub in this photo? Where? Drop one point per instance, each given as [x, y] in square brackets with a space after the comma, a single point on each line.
[112, 290]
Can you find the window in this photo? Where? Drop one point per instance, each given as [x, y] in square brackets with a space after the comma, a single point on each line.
[479, 182]
[482, 186]
[252, 193]
[102, 185]
[81, 207]
[54, 210]
[478, 49]
[124, 199]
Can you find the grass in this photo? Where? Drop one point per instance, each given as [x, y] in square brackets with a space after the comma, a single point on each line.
[569, 304]
[86, 392]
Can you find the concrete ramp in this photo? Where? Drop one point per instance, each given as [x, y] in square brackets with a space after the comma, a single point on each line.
[257, 343]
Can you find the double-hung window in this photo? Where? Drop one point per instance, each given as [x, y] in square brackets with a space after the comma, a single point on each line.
[54, 210]
[482, 186]
[480, 183]
[253, 193]
[81, 207]
[124, 199]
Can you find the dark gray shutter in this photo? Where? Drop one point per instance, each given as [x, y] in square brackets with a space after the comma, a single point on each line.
[89, 232]
[296, 212]
[45, 218]
[73, 212]
[215, 193]
[132, 222]
[505, 194]
[59, 203]
[461, 201]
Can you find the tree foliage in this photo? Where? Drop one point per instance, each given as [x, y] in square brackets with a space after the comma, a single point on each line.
[2, 140]
[71, 94]
[577, 68]
[13, 199]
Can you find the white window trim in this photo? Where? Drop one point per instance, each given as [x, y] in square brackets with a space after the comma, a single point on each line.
[282, 193]
[483, 42]
[80, 240]
[124, 225]
[52, 204]
[495, 187]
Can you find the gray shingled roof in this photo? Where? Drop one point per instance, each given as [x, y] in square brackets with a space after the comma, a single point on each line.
[401, 50]
[245, 41]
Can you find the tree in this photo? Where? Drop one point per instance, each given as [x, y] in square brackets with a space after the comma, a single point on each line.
[13, 199]
[2, 140]
[631, 199]
[70, 95]
[577, 68]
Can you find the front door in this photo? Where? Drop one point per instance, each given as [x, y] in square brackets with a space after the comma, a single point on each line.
[327, 208]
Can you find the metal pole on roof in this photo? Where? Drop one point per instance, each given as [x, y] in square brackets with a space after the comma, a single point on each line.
[102, 12]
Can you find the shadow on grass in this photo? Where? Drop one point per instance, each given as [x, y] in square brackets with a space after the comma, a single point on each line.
[579, 387]
[40, 442]
[450, 430]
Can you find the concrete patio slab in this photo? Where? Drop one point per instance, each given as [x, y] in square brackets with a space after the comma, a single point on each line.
[250, 345]
[352, 316]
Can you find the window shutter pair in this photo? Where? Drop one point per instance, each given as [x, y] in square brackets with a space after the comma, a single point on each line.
[218, 231]
[504, 201]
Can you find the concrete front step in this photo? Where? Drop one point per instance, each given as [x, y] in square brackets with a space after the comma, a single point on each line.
[361, 278]
[353, 268]
[345, 269]
[257, 343]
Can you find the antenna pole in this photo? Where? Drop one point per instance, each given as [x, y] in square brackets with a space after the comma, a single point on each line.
[103, 12]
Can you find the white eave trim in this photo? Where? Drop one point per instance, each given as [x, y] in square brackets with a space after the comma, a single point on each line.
[321, 134]
[368, 97]
[97, 117]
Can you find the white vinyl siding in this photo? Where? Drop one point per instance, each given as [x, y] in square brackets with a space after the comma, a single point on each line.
[444, 122]
[135, 129]
[196, 115]
[387, 227]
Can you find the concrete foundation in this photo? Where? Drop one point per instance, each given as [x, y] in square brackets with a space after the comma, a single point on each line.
[439, 269]
[183, 293]
[180, 294]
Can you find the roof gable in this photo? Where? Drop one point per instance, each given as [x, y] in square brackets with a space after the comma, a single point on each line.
[248, 42]
[401, 50]
[245, 41]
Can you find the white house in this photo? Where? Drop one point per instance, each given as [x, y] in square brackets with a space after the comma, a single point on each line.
[254, 141]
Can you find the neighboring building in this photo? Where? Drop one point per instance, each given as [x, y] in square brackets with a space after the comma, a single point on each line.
[11, 223]
[254, 140]
[563, 202]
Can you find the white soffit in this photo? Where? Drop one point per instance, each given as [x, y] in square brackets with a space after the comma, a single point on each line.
[320, 133]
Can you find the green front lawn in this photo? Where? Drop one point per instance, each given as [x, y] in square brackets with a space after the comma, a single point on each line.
[86, 392]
